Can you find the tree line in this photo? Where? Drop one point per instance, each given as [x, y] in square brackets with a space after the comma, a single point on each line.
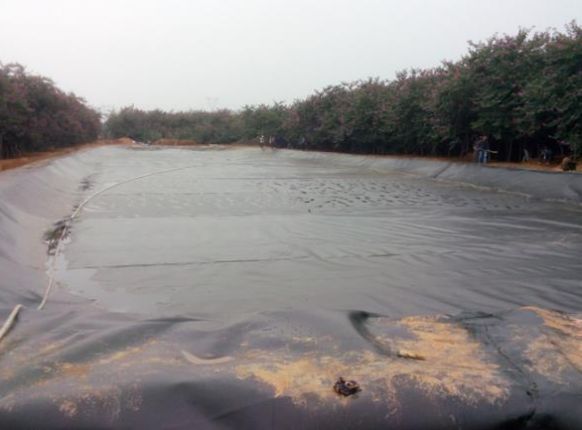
[222, 126]
[520, 92]
[35, 115]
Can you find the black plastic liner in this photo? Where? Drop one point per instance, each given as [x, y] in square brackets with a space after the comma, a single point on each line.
[231, 288]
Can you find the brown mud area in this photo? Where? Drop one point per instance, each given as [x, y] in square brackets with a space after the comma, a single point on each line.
[35, 157]
[175, 142]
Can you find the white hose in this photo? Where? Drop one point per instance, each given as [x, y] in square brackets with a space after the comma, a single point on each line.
[9, 321]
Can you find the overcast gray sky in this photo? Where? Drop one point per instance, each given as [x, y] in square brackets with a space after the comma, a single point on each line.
[205, 54]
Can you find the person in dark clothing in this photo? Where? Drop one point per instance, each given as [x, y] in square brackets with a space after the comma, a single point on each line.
[546, 155]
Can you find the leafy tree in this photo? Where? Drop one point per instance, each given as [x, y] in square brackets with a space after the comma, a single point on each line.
[557, 93]
[455, 109]
[36, 115]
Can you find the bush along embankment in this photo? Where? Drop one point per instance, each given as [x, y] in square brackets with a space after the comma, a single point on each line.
[521, 95]
[35, 115]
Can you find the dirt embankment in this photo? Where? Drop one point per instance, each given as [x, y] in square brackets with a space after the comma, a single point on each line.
[39, 156]
[33, 157]
[187, 142]
[533, 165]
[175, 142]
[528, 165]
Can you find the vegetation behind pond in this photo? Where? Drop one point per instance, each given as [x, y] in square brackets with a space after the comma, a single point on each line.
[521, 92]
[35, 115]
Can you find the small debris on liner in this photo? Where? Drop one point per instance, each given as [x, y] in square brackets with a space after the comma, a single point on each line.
[346, 388]
[60, 231]
[194, 359]
[410, 355]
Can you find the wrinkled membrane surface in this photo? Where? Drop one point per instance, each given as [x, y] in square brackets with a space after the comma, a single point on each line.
[232, 287]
